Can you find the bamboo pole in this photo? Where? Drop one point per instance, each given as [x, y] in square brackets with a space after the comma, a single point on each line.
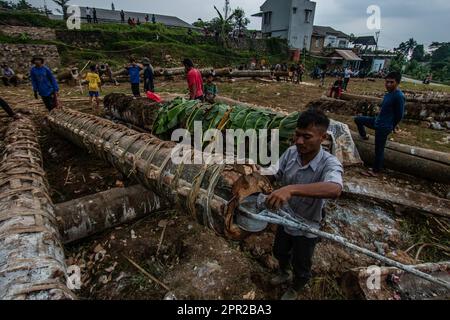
[32, 262]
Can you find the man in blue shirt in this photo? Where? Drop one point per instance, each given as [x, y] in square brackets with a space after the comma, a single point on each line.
[392, 112]
[44, 83]
[134, 70]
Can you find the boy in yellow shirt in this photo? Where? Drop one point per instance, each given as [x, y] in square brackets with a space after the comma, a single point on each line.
[94, 85]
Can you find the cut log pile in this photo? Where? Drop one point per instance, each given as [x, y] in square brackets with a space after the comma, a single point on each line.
[32, 262]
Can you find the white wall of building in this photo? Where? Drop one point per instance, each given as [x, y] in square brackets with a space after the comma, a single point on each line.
[279, 22]
[288, 21]
[301, 26]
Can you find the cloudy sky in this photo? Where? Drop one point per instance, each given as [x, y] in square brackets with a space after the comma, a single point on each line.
[424, 20]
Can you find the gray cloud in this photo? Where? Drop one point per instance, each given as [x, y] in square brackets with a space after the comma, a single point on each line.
[425, 21]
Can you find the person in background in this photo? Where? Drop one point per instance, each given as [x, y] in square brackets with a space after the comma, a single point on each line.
[147, 18]
[391, 113]
[336, 89]
[153, 19]
[94, 85]
[194, 80]
[134, 70]
[210, 89]
[348, 73]
[94, 15]
[8, 76]
[308, 175]
[149, 84]
[109, 74]
[138, 22]
[88, 14]
[122, 16]
[323, 74]
[5, 106]
[44, 83]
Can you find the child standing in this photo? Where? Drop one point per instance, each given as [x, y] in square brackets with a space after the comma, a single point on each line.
[210, 89]
[94, 85]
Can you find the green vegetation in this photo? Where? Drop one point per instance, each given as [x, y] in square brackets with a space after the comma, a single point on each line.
[116, 43]
[414, 61]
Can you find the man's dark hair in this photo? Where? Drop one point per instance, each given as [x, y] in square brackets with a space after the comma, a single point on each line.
[394, 75]
[93, 67]
[188, 63]
[313, 117]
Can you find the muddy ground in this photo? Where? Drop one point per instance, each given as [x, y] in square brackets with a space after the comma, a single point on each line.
[190, 260]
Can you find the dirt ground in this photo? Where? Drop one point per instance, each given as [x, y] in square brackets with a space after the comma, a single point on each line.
[189, 260]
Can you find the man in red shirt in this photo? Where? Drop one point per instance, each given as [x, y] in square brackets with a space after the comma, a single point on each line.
[194, 80]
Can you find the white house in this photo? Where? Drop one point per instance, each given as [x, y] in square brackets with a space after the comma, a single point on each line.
[289, 19]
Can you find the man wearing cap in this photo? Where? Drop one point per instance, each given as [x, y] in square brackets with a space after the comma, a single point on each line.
[148, 76]
[194, 80]
[44, 83]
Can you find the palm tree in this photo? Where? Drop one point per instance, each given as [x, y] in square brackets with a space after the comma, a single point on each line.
[410, 45]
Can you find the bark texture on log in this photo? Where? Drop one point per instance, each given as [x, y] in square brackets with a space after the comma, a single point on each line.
[361, 283]
[406, 201]
[209, 193]
[84, 217]
[32, 262]
[427, 164]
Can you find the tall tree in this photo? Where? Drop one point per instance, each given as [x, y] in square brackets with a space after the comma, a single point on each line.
[418, 53]
[240, 20]
[63, 4]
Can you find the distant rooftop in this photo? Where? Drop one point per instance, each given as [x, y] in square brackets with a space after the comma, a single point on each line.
[365, 41]
[113, 16]
[322, 31]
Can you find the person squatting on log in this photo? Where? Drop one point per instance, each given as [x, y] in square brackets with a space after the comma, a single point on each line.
[149, 84]
[134, 70]
[8, 76]
[5, 106]
[336, 89]
[391, 113]
[94, 81]
[308, 175]
[44, 83]
[194, 81]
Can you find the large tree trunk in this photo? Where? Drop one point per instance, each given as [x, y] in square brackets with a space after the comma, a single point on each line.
[32, 262]
[209, 193]
[84, 217]
[427, 164]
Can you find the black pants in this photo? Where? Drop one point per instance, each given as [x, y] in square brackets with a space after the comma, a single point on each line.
[50, 102]
[149, 86]
[135, 89]
[297, 251]
[5, 106]
[346, 81]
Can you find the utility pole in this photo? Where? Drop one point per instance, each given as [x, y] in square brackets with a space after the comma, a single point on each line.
[227, 8]
[377, 36]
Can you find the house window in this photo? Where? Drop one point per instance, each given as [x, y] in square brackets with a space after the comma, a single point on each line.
[294, 10]
[267, 18]
[308, 14]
